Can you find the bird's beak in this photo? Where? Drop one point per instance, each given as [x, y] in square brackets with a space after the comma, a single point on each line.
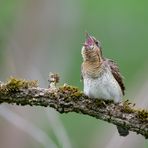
[89, 42]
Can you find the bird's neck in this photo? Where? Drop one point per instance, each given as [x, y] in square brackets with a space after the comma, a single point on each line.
[92, 57]
[92, 65]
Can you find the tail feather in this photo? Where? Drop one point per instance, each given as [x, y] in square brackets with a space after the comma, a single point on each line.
[122, 131]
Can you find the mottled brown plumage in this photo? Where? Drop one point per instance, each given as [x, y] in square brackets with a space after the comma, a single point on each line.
[116, 73]
[93, 61]
[101, 76]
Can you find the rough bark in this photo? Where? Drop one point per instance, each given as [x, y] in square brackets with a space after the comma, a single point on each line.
[69, 99]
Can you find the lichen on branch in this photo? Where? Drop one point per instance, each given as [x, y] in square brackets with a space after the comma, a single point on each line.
[70, 99]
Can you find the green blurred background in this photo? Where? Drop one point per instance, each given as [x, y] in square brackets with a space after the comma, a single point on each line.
[37, 37]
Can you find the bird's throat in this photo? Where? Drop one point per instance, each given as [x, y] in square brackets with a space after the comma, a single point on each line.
[92, 64]
[91, 56]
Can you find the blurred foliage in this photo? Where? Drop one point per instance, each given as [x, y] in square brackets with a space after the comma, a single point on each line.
[7, 17]
[121, 26]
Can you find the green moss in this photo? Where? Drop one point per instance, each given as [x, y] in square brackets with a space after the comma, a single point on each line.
[102, 102]
[142, 115]
[78, 94]
[99, 102]
[14, 85]
[108, 101]
[68, 88]
[127, 107]
[73, 93]
[2, 88]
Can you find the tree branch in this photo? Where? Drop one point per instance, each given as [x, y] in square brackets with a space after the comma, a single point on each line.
[69, 99]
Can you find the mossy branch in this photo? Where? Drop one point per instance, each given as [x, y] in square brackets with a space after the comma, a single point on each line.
[69, 99]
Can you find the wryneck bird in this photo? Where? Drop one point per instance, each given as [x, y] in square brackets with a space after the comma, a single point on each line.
[100, 75]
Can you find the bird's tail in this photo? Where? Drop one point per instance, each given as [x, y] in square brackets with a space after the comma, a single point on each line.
[122, 131]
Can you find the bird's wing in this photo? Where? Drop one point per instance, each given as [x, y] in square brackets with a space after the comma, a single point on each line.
[116, 73]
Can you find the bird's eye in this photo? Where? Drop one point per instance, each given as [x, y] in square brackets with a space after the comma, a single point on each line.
[97, 43]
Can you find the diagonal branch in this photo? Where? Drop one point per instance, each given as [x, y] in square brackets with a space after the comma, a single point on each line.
[69, 99]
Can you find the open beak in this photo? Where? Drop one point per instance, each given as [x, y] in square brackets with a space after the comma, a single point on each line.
[89, 42]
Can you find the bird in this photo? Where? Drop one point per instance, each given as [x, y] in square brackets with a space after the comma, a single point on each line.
[101, 76]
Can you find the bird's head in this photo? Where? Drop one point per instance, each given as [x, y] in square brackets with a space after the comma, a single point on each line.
[91, 48]
[91, 43]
